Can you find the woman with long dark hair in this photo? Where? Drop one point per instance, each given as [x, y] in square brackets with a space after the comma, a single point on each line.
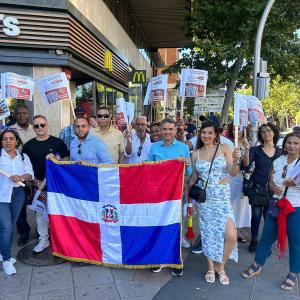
[260, 158]
[279, 181]
[18, 169]
[217, 225]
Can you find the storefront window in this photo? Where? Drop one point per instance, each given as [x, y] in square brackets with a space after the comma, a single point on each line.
[84, 97]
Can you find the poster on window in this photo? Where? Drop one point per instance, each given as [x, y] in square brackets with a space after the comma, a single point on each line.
[16, 86]
[240, 110]
[157, 89]
[193, 83]
[255, 110]
[54, 88]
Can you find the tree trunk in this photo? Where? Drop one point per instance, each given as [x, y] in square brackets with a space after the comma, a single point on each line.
[231, 85]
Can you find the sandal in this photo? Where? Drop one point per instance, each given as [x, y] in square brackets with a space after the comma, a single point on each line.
[223, 278]
[210, 276]
[289, 282]
[252, 271]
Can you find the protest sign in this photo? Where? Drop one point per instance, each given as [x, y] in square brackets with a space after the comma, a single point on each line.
[157, 89]
[193, 83]
[255, 110]
[16, 86]
[240, 119]
[129, 112]
[39, 203]
[54, 88]
[4, 109]
[121, 116]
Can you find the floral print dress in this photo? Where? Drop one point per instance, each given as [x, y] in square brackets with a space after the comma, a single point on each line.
[216, 210]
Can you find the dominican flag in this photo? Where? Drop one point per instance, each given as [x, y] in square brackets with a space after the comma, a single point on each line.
[124, 216]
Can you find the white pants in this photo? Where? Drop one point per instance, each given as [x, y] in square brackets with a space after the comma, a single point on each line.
[42, 227]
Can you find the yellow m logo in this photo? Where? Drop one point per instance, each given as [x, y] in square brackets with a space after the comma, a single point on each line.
[138, 76]
[108, 60]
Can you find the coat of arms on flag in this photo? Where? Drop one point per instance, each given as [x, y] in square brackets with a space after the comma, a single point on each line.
[123, 216]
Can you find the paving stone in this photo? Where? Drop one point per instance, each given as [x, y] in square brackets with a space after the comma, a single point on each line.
[93, 275]
[51, 278]
[130, 290]
[123, 274]
[147, 276]
[96, 292]
[14, 285]
[13, 297]
[66, 294]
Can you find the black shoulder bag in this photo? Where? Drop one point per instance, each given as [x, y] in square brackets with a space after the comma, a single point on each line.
[198, 189]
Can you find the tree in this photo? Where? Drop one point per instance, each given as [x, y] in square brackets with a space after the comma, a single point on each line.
[283, 102]
[224, 33]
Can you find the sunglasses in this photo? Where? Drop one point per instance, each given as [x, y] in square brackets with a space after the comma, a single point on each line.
[284, 171]
[79, 149]
[139, 151]
[42, 125]
[105, 116]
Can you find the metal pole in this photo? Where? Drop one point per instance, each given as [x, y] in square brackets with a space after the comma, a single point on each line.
[258, 43]
[257, 51]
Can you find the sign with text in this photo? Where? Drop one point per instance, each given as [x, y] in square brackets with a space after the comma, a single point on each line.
[4, 109]
[121, 116]
[138, 76]
[157, 89]
[240, 110]
[255, 110]
[54, 88]
[16, 86]
[193, 83]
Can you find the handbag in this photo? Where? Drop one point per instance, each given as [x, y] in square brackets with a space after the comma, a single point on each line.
[198, 189]
[273, 209]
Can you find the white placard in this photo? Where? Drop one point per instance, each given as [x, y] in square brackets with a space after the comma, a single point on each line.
[39, 203]
[16, 86]
[5, 109]
[157, 89]
[240, 110]
[255, 110]
[193, 83]
[129, 112]
[54, 88]
[121, 116]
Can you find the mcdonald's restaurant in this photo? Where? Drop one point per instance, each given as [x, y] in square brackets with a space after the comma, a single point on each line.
[39, 38]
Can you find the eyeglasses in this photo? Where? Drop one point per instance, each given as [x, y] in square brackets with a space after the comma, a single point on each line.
[284, 171]
[105, 116]
[140, 124]
[139, 151]
[42, 125]
[79, 149]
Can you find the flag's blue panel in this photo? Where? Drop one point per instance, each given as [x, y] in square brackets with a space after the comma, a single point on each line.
[151, 245]
[73, 181]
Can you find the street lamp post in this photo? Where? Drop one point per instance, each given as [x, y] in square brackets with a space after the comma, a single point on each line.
[257, 51]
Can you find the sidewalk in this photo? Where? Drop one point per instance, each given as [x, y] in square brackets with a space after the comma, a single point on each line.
[70, 281]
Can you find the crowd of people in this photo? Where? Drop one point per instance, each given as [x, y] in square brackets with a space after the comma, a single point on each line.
[240, 181]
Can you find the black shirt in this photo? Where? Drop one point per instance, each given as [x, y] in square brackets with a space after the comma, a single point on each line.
[38, 150]
[263, 164]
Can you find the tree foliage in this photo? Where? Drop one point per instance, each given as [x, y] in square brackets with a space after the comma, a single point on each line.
[224, 33]
[283, 100]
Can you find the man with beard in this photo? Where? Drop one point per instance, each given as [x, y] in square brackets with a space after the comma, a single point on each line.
[86, 147]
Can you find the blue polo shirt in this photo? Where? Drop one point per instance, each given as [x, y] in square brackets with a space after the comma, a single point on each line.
[159, 151]
[92, 150]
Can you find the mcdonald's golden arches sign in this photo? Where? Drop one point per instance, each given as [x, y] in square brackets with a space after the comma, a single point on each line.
[108, 60]
[138, 76]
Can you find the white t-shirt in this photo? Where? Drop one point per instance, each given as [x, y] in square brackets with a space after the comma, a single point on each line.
[293, 193]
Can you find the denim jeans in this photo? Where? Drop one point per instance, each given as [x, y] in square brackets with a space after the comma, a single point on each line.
[9, 213]
[22, 224]
[269, 236]
[257, 212]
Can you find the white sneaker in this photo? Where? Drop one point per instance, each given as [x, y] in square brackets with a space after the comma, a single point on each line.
[12, 260]
[185, 243]
[41, 246]
[9, 268]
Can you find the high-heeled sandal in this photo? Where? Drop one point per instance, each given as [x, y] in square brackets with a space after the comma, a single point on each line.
[253, 270]
[210, 276]
[223, 278]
